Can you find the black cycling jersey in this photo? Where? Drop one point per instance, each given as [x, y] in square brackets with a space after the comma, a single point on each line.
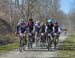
[56, 28]
[50, 27]
[31, 26]
[42, 29]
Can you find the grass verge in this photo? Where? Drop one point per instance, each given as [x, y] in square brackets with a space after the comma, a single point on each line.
[67, 49]
[6, 48]
[8, 42]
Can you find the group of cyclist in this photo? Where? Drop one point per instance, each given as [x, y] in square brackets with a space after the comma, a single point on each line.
[37, 32]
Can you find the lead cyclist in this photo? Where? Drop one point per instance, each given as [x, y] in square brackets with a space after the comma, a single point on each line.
[20, 32]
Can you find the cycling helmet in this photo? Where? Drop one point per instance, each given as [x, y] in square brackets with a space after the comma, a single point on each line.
[49, 20]
[56, 22]
[21, 20]
[37, 22]
[30, 19]
[42, 23]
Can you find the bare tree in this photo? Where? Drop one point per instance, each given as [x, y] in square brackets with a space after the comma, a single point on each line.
[36, 9]
[72, 17]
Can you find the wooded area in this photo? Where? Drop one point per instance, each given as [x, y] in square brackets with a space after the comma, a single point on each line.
[12, 10]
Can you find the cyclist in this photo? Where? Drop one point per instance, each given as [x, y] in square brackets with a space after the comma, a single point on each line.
[37, 26]
[57, 30]
[42, 27]
[30, 32]
[20, 31]
[37, 29]
[49, 26]
[42, 33]
[49, 31]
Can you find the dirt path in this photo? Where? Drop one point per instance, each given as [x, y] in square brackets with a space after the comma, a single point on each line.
[34, 53]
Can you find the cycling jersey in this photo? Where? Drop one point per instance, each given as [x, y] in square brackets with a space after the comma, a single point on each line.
[21, 28]
[56, 29]
[50, 27]
[31, 23]
[36, 27]
[42, 29]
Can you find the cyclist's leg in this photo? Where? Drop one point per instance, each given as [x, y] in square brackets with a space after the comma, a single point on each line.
[20, 44]
[36, 39]
[31, 43]
[58, 37]
[55, 41]
[20, 41]
[30, 40]
[51, 41]
[24, 43]
[26, 36]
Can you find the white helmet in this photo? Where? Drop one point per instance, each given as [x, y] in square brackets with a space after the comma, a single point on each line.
[37, 22]
[21, 20]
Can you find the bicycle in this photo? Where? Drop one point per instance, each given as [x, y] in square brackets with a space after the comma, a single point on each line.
[37, 38]
[22, 42]
[42, 39]
[55, 39]
[29, 40]
[49, 40]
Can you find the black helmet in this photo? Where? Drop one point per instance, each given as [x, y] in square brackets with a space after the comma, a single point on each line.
[30, 19]
[56, 22]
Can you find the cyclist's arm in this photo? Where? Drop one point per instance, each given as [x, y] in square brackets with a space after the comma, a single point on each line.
[46, 28]
[53, 29]
[59, 29]
[17, 29]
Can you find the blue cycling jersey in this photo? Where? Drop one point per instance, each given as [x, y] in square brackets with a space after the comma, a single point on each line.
[21, 27]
